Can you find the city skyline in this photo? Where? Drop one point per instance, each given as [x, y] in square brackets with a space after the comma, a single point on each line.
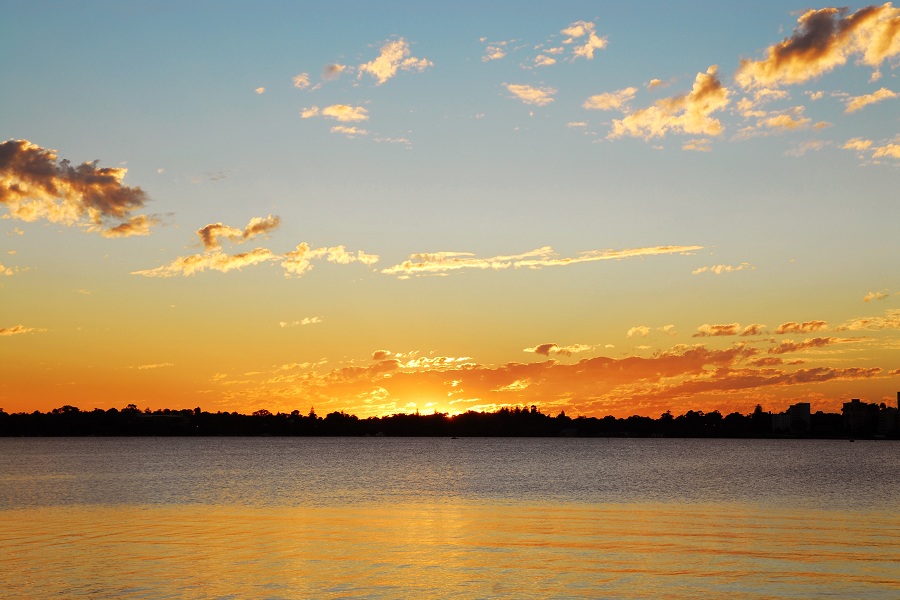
[395, 208]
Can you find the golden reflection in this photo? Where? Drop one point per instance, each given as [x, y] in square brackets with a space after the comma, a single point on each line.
[510, 549]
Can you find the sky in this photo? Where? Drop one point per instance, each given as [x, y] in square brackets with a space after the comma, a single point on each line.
[394, 207]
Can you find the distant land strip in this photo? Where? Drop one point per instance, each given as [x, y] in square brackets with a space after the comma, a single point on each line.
[860, 420]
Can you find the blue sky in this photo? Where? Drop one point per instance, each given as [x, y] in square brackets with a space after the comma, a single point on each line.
[784, 184]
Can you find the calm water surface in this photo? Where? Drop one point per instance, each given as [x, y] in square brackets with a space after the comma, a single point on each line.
[422, 517]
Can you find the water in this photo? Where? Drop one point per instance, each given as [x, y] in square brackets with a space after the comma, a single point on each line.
[390, 517]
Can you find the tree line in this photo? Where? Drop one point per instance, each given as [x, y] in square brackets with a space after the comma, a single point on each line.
[505, 422]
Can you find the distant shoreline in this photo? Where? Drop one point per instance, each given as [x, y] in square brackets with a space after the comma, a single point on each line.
[69, 421]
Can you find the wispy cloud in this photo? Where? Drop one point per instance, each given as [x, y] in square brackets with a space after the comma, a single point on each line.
[617, 100]
[548, 349]
[301, 81]
[301, 322]
[825, 39]
[687, 113]
[721, 269]
[210, 234]
[299, 261]
[215, 261]
[538, 96]
[582, 35]
[34, 186]
[395, 55]
[442, 262]
[787, 346]
[874, 296]
[339, 112]
[857, 102]
[805, 327]
[19, 330]
[890, 320]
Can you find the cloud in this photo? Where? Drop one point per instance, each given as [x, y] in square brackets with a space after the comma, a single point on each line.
[638, 331]
[136, 225]
[216, 261]
[698, 145]
[257, 226]
[707, 330]
[260, 90]
[825, 39]
[617, 100]
[299, 261]
[542, 60]
[33, 186]
[548, 349]
[350, 132]
[890, 320]
[332, 71]
[339, 112]
[874, 296]
[805, 147]
[785, 121]
[18, 330]
[720, 269]
[858, 144]
[888, 150]
[301, 322]
[805, 327]
[7, 271]
[395, 55]
[538, 96]
[380, 355]
[787, 346]
[582, 29]
[154, 366]
[301, 81]
[686, 113]
[345, 114]
[494, 51]
[655, 83]
[442, 262]
[754, 329]
[855, 103]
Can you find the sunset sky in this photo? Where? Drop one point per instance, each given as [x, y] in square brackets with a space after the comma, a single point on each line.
[383, 207]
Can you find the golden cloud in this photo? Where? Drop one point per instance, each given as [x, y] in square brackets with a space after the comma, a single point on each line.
[345, 114]
[825, 39]
[350, 132]
[34, 186]
[874, 296]
[18, 330]
[210, 234]
[538, 96]
[548, 349]
[858, 144]
[720, 269]
[787, 346]
[687, 113]
[299, 261]
[857, 102]
[442, 262]
[301, 322]
[707, 330]
[215, 261]
[698, 145]
[582, 29]
[890, 320]
[638, 331]
[888, 150]
[805, 327]
[394, 56]
[617, 100]
[301, 81]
